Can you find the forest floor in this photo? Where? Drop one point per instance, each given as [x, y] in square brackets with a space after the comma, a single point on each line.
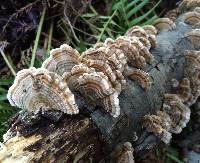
[30, 29]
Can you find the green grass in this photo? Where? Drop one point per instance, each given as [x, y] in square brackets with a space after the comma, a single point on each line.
[172, 156]
[6, 110]
[97, 27]
[38, 36]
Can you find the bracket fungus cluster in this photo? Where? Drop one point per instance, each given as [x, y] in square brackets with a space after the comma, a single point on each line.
[177, 104]
[98, 74]
[40, 90]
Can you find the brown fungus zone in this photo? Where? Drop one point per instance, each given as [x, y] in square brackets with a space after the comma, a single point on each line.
[177, 105]
[164, 24]
[36, 90]
[99, 74]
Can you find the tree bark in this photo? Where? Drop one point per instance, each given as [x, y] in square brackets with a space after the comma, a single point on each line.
[93, 134]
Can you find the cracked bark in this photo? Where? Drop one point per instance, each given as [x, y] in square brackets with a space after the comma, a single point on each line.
[93, 134]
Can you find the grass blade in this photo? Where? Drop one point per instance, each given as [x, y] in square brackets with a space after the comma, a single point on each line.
[136, 9]
[8, 62]
[117, 5]
[5, 107]
[150, 21]
[139, 19]
[6, 81]
[175, 159]
[3, 97]
[38, 36]
[131, 4]
[2, 90]
[106, 25]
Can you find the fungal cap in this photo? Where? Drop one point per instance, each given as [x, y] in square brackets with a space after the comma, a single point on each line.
[95, 85]
[197, 9]
[178, 112]
[111, 104]
[188, 5]
[40, 90]
[141, 77]
[71, 78]
[136, 31]
[132, 47]
[172, 14]
[194, 37]
[164, 24]
[159, 125]
[152, 40]
[62, 59]
[150, 29]
[184, 90]
[193, 56]
[145, 42]
[192, 18]
[102, 66]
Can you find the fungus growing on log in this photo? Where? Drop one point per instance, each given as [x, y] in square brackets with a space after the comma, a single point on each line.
[98, 73]
[95, 84]
[101, 66]
[179, 113]
[177, 105]
[192, 18]
[150, 30]
[40, 90]
[152, 40]
[154, 114]
[192, 71]
[172, 14]
[72, 77]
[136, 31]
[197, 9]
[131, 49]
[159, 124]
[141, 77]
[194, 37]
[125, 155]
[164, 24]
[188, 5]
[145, 42]
[62, 59]
[184, 90]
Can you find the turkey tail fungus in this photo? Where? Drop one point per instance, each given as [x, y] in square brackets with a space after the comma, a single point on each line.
[80, 107]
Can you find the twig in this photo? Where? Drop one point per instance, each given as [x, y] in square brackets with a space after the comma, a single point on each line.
[38, 36]
[53, 39]
[7, 62]
[19, 11]
[70, 25]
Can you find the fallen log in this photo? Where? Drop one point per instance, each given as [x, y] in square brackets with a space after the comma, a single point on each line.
[94, 134]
